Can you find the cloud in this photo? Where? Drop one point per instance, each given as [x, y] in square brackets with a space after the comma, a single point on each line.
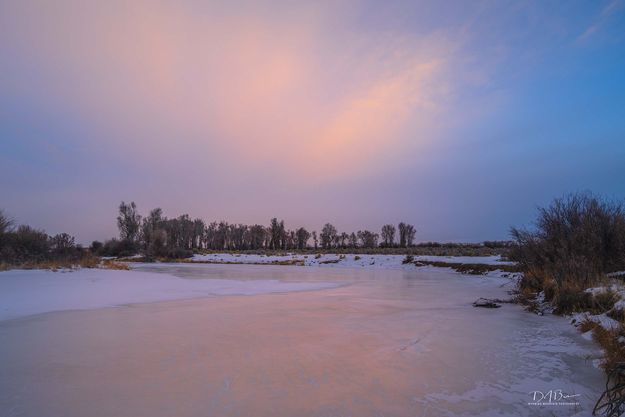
[612, 8]
[266, 89]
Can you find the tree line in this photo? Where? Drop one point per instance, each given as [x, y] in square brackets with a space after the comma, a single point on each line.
[24, 244]
[159, 236]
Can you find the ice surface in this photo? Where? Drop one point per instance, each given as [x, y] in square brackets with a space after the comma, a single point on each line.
[374, 341]
[26, 292]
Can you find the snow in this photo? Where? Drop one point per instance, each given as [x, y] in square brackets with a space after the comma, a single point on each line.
[347, 260]
[28, 292]
[602, 320]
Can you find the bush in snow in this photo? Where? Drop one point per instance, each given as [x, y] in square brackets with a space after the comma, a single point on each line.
[575, 242]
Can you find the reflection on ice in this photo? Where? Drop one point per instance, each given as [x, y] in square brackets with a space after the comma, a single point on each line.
[377, 342]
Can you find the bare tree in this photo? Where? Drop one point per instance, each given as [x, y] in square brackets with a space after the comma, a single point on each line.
[62, 243]
[388, 235]
[150, 224]
[198, 233]
[410, 235]
[128, 221]
[277, 234]
[327, 236]
[368, 239]
[257, 236]
[222, 239]
[343, 238]
[302, 236]
[6, 223]
[315, 240]
[406, 234]
[353, 240]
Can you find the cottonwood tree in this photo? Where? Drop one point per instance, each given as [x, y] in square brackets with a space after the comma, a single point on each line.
[62, 242]
[222, 235]
[388, 235]
[257, 236]
[151, 223]
[327, 236]
[128, 221]
[277, 234]
[353, 240]
[6, 223]
[343, 238]
[368, 239]
[198, 233]
[302, 235]
[407, 234]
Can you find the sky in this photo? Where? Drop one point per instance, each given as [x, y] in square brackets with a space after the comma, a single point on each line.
[460, 117]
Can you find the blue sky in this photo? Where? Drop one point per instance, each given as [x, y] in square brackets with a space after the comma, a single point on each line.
[459, 117]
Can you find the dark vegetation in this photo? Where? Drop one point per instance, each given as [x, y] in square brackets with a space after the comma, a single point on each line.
[469, 268]
[27, 247]
[575, 243]
[158, 237]
[463, 268]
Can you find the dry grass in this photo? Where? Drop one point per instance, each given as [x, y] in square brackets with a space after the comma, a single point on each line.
[110, 264]
[87, 261]
[610, 341]
[467, 268]
[614, 350]
[587, 325]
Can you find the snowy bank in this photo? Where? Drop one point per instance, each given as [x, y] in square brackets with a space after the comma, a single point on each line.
[347, 260]
[28, 292]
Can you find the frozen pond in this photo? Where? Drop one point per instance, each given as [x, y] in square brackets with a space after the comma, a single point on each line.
[342, 342]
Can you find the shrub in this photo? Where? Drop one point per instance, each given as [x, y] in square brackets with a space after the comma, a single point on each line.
[179, 253]
[25, 244]
[577, 231]
[576, 240]
[118, 248]
[96, 246]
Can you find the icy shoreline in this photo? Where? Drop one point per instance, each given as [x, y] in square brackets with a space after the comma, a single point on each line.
[28, 292]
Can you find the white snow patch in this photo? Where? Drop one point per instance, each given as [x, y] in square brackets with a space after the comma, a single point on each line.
[347, 260]
[602, 320]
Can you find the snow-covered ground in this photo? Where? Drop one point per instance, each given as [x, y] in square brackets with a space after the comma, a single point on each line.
[603, 319]
[28, 292]
[348, 260]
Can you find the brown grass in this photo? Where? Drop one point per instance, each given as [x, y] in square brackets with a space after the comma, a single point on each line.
[87, 261]
[467, 268]
[110, 264]
[614, 351]
[587, 325]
